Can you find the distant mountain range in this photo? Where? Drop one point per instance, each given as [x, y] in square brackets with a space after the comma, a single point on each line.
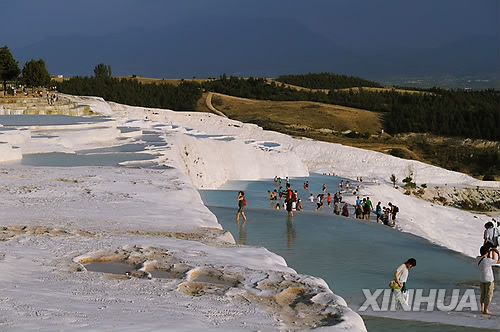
[209, 47]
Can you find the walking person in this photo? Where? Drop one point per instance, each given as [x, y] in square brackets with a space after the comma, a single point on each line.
[319, 202]
[401, 277]
[241, 206]
[486, 279]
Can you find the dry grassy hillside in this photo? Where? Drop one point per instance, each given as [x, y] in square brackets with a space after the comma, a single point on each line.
[298, 115]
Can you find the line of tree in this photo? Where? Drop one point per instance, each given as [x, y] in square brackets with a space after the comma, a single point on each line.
[326, 81]
[464, 113]
[131, 92]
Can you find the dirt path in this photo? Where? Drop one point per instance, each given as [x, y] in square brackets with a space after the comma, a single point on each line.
[208, 102]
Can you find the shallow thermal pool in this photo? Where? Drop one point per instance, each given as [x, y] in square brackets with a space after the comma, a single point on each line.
[348, 254]
[136, 151]
[48, 120]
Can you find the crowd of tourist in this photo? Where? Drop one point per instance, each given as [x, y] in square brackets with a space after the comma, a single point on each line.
[288, 199]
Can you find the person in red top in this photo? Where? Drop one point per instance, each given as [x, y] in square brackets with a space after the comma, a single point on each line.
[329, 199]
[289, 200]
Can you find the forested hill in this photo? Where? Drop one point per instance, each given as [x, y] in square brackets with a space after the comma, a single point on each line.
[462, 113]
[326, 81]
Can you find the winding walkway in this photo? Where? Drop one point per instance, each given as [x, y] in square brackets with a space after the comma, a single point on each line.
[208, 102]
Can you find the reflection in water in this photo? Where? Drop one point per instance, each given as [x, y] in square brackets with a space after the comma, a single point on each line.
[242, 233]
[291, 233]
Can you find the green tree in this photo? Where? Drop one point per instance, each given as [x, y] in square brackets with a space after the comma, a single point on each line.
[393, 179]
[35, 73]
[102, 71]
[9, 68]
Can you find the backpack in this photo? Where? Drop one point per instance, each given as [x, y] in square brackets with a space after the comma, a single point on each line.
[396, 209]
[244, 202]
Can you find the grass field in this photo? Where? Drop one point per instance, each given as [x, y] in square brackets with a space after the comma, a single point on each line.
[298, 115]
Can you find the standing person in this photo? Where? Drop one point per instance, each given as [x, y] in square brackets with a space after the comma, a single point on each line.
[341, 185]
[241, 206]
[363, 206]
[368, 208]
[490, 234]
[401, 276]
[336, 207]
[486, 279]
[307, 185]
[345, 210]
[329, 199]
[324, 188]
[358, 211]
[347, 184]
[289, 200]
[378, 211]
[393, 212]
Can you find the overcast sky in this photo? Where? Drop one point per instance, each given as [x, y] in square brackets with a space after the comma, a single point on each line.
[349, 23]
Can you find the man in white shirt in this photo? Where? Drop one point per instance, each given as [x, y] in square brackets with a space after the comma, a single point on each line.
[401, 276]
[486, 279]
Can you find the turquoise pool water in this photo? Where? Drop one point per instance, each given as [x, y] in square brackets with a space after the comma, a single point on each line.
[48, 120]
[58, 159]
[349, 254]
[134, 150]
